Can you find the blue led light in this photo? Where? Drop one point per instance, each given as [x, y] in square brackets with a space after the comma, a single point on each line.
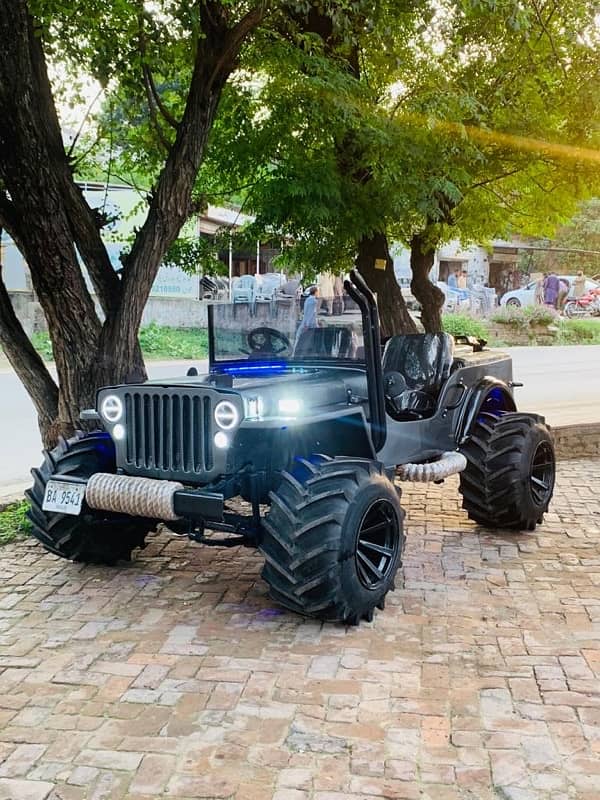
[256, 368]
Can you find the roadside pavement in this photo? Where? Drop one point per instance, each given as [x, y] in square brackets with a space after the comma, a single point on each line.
[176, 676]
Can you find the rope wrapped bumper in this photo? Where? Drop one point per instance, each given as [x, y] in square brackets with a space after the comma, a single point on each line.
[139, 497]
[448, 464]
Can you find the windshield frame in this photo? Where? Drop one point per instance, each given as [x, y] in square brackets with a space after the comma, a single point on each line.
[275, 363]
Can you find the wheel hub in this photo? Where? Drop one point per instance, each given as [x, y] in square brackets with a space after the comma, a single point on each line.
[541, 480]
[377, 543]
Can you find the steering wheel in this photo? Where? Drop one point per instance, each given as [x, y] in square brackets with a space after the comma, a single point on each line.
[267, 340]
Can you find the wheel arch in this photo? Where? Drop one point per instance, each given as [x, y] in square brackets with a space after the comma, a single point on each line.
[489, 394]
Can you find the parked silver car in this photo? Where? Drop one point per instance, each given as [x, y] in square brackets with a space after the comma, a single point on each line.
[525, 296]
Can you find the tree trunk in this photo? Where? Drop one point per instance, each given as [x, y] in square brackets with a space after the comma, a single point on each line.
[373, 252]
[429, 296]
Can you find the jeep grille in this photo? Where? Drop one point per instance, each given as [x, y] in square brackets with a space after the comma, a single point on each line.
[168, 432]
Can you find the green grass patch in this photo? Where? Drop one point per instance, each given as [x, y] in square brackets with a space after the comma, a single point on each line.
[157, 341]
[42, 343]
[13, 522]
[525, 318]
[579, 331]
[457, 324]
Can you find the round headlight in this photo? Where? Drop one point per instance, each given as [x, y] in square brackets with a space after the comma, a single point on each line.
[112, 408]
[226, 415]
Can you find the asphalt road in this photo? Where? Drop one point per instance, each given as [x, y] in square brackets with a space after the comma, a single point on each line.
[561, 382]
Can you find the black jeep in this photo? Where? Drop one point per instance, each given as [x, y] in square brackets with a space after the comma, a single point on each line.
[314, 422]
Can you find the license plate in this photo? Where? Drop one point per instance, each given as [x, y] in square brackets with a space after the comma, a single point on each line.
[66, 498]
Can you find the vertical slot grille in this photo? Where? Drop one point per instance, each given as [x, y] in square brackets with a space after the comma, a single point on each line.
[168, 433]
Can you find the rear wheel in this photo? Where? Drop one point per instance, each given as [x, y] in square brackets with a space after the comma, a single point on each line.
[574, 309]
[94, 537]
[509, 478]
[513, 302]
[333, 539]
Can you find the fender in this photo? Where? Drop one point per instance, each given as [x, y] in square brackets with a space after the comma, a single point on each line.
[489, 394]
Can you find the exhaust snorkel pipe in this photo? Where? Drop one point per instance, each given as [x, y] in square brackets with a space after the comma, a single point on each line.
[363, 297]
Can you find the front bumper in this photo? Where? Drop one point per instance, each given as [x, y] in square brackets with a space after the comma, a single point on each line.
[150, 498]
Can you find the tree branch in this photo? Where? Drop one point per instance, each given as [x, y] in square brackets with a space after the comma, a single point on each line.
[494, 178]
[83, 121]
[238, 33]
[544, 28]
[152, 109]
[171, 203]
[168, 117]
[26, 362]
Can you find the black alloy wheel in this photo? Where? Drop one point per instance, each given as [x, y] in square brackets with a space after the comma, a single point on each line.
[542, 473]
[377, 544]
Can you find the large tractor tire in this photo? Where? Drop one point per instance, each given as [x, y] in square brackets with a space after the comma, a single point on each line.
[333, 539]
[93, 537]
[509, 479]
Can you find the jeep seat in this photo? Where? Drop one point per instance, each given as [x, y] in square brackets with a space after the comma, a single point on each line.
[424, 360]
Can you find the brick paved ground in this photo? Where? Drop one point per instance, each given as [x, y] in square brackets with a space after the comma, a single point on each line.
[176, 676]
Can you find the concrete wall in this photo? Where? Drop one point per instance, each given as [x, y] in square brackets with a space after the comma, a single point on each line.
[174, 312]
[28, 311]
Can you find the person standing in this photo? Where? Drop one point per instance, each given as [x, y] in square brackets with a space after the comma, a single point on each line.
[563, 292]
[579, 284]
[452, 281]
[326, 291]
[551, 289]
[461, 281]
[539, 291]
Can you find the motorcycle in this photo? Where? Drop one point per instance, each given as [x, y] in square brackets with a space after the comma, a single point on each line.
[588, 305]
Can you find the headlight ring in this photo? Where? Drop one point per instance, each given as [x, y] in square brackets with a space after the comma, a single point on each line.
[226, 415]
[111, 408]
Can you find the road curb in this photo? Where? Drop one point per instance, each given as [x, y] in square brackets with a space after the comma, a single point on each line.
[577, 441]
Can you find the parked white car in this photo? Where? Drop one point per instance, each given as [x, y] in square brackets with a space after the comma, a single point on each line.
[526, 295]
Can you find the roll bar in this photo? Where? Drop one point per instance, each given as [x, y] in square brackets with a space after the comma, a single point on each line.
[365, 300]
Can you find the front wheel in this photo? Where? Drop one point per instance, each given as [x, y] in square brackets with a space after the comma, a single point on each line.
[509, 478]
[333, 539]
[573, 310]
[93, 537]
[513, 303]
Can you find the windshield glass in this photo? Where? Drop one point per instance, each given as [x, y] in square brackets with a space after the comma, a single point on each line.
[298, 331]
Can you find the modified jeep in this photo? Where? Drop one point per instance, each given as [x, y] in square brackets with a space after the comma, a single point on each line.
[311, 425]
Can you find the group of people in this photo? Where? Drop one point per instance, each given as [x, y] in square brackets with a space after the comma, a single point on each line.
[553, 291]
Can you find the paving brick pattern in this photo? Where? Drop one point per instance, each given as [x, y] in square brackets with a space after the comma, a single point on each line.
[176, 677]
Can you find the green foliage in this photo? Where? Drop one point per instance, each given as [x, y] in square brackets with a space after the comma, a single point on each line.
[198, 254]
[579, 331]
[41, 342]
[582, 232]
[468, 120]
[14, 524]
[456, 324]
[158, 341]
[526, 317]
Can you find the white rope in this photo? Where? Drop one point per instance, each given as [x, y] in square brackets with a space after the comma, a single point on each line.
[448, 464]
[140, 497]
